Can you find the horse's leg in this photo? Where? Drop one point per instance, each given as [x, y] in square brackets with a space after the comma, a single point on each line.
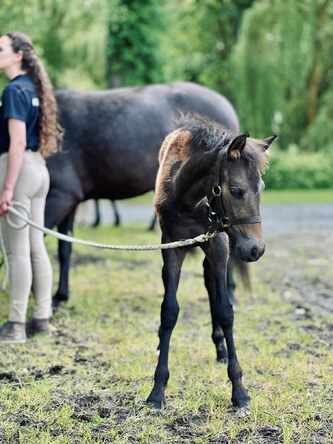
[217, 333]
[64, 257]
[59, 211]
[217, 254]
[172, 260]
[116, 214]
[97, 220]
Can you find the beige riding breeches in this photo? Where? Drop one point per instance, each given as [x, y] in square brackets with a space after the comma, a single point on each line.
[28, 261]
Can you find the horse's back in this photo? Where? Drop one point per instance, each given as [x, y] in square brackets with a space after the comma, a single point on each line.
[193, 98]
[112, 138]
[138, 109]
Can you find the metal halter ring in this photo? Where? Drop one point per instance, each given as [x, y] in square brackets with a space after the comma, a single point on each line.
[217, 190]
[24, 210]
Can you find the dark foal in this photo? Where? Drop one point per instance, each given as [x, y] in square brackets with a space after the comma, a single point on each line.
[209, 180]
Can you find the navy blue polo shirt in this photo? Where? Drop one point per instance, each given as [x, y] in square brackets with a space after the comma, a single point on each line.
[20, 101]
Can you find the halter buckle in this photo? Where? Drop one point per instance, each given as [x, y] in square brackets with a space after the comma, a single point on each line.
[217, 190]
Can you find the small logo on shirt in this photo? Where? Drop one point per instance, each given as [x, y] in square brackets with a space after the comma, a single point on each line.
[35, 101]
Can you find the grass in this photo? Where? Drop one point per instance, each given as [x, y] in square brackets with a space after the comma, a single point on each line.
[270, 197]
[88, 382]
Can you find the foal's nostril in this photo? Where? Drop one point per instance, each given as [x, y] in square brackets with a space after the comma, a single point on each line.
[254, 252]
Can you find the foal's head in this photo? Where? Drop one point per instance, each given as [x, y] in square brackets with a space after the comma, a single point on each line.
[239, 167]
[204, 160]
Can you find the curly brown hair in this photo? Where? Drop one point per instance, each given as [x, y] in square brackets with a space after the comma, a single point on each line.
[50, 132]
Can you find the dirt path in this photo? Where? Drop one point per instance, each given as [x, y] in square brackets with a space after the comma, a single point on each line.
[298, 266]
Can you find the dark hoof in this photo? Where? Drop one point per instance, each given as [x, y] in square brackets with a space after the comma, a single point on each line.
[57, 301]
[240, 399]
[222, 360]
[155, 403]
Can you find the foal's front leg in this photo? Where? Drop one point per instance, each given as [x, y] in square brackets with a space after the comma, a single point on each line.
[173, 260]
[217, 254]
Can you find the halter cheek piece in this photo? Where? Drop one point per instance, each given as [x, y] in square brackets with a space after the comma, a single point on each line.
[218, 220]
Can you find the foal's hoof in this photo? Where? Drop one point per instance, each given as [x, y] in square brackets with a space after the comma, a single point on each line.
[155, 403]
[240, 399]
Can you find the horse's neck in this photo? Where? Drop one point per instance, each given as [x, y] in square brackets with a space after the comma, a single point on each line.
[190, 181]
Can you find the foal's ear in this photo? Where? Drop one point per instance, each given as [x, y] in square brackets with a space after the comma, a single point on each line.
[237, 146]
[269, 140]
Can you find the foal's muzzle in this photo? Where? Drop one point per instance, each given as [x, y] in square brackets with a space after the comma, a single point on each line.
[250, 250]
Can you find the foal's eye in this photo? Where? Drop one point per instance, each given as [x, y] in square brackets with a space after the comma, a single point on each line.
[238, 193]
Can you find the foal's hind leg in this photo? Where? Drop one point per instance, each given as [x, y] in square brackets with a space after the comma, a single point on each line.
[217, 333]
[217, 253]
[173, 260]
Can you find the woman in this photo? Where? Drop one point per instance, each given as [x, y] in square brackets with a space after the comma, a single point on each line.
[28, 133]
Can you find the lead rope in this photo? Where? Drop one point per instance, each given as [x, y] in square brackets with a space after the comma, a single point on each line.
[5, 261]
[13, 211]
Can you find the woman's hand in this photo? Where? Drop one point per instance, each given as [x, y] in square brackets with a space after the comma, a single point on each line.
[5, 200]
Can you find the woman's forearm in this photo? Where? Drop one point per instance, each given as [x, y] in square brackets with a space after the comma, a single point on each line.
[18, 143]
[14, 165]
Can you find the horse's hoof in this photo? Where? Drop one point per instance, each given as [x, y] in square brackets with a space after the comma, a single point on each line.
[221, 359]
[155, 403]
[240, 400]
[56, 302]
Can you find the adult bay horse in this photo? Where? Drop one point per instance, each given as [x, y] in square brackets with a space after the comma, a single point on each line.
[111, 146]
[209, 180]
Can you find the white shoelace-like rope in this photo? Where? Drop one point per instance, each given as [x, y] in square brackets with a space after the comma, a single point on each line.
[23, 215]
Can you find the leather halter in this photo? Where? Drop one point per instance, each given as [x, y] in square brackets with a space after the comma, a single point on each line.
[217, 215]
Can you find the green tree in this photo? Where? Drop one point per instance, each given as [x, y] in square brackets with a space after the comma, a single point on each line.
[283, 66]
[199, 40]
[69, 36]
[132, 50]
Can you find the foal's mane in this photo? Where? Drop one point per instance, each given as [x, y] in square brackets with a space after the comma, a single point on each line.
[206, 135]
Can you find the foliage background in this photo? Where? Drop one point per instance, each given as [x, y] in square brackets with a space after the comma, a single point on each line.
[271, 58]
